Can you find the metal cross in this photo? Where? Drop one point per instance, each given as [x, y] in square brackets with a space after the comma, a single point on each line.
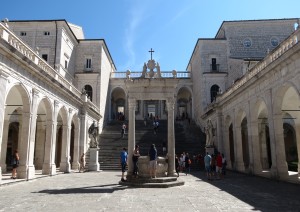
[151, 51]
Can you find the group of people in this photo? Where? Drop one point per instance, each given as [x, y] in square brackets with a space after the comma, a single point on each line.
[135, 157]
[182, 164]
[215, 166]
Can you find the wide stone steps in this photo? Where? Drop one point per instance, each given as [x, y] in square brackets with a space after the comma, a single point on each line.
[111, 143]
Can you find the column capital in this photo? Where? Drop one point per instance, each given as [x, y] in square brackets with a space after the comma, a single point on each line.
[35, 92]
[56, 103]
[132, 103]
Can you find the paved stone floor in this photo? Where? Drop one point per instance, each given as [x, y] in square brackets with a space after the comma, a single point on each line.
[100, 191]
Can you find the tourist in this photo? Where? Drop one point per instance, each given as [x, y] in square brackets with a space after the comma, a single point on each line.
[123, 161]
[213, 165]
[177, 167]
[153, 161]
[123, 130]
[207, 163]
[82, 162]
[15, 162]
[219, 165]
[187, 162]
[135, 159]
[224, 164]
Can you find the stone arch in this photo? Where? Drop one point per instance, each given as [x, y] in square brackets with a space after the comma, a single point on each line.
[286, 107]
[184, 103]
[89, 91]
[43, 129]
[17, 108]
[75, 141]
[214, 90]
[62, 123]
[118, 103]
[242, 137]
[261, 135]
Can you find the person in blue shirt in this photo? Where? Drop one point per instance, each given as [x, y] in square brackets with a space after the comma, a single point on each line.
[123, 161]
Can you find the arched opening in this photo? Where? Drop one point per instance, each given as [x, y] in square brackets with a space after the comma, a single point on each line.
[118, 107]
[12, 142]
[72, 143]
[245, 145]
[231, 145]
[290, 144]
[184, 104]
[89, 91]
[214, 90]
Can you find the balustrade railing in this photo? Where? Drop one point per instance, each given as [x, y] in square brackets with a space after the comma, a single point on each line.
[271, 57]
[29, 53]
[169, 74]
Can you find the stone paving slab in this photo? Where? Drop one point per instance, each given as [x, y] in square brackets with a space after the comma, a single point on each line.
[100, 191]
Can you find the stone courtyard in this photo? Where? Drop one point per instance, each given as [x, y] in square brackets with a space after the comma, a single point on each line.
[100, 191]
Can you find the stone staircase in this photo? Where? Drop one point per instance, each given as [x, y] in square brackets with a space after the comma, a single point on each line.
[188, 138]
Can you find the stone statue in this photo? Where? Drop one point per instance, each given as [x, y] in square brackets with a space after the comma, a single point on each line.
[209, 133]
[144, 71]
[158, 74]
[93, 134]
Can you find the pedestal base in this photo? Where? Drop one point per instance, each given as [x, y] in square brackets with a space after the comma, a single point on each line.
[144, 171]
[94, 163]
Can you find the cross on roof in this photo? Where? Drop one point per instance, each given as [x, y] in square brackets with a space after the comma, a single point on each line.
[151, 51]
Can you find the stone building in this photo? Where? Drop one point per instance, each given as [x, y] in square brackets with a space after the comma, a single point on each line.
[55, 84]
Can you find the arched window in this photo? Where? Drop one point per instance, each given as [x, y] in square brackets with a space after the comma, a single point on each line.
[213, 92]
[89, 91]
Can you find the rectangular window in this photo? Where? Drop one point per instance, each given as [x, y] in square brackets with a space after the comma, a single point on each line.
[88, 63]
[66, 64]
[23, 33]
[45, 57]
[46, 33]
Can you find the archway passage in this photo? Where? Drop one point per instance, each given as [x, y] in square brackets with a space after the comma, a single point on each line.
[231, 145]
[184, 104]
[118, 104]
[245, 144]
[290, 144]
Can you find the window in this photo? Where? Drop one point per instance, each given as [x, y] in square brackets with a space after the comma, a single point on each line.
[88, 63]
[45, 57]
[214, 90]
[66, 64]
[89, 91]
[23, 33]
[274, 41]
[46, 33]
[247, 42]
[213, 64]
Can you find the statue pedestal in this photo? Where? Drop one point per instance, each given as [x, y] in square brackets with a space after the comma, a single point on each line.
[210, 150]
[93, 162]
[143, 164]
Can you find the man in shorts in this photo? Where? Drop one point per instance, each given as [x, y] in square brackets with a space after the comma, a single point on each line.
[207, 162]
[153, 161]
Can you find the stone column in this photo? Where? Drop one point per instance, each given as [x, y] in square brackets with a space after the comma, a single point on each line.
[239, 161]
[26, 168]
[131, 134]
[65, 150]
[49, 167]
[83, 130]
[75, 164]
[3, 83]
[255, 159]
[3, 164]
[297, 131]
[171, 137]
[28, 135]
[220, 136]
[281, 164]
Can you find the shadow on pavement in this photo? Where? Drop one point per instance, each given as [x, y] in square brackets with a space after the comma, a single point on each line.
[261, 193]
[109, 188]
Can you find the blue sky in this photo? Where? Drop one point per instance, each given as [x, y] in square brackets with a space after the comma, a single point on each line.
[131, 27]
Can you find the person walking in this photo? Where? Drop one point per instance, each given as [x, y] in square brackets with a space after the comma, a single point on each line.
[207, 163]
[15, 162]
[177, 167]
[135, 159]
[153, 161]
[82, 162]
[187, 164]
[123, 161]
[123, 130]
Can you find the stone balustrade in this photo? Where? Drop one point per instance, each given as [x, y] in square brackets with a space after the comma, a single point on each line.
[271, 57]
[169, 74]
[28, 52]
